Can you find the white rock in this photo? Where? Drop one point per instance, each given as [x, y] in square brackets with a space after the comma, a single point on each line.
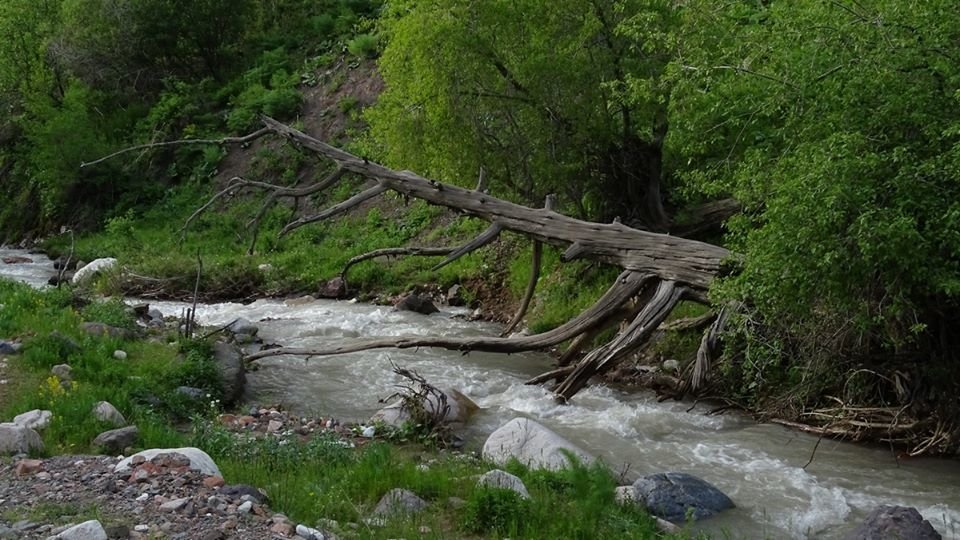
[503, 480]
[369, 432]
[92, 269]
[671, 365]
[35, 419]
[532, 444]
[199, 460]
[625, 495]
[16, 439]
[120, 355]
[141, 528]
[106, 412]
[143, 497]
[309, 532]
[266, 267]
[245, 508]
[88, 530]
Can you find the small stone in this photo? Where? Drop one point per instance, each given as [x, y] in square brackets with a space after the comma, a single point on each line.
[143, 497]
[104, 411]
[283, 528]
[245, 508]
[62, 372]
[671, 365]
[174, 505]
[120, 355]
[309, 532]
[213, 482]
[274, 426]
[369, 432]
[28, 466]
[116, 440]
[142, 528]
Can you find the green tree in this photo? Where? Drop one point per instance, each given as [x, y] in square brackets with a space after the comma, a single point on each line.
[543, 96]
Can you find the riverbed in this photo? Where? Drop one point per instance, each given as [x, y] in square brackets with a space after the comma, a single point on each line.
[760, 466]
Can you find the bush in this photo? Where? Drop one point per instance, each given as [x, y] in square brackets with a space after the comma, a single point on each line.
[364, 46]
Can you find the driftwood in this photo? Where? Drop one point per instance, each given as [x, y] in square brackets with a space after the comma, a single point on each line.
[658, 269]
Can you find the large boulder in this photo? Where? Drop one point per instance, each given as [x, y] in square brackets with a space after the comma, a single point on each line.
[417, 303]
[116, 440]
[899, 522]
[531, 444]
[199, 460]
[35, 419]
[459, 408]
[503, 480]
[674, 496]
[88, 530]
[92, 269]
[243, 326]
[334, 289]
[17, 439]
[233, 378]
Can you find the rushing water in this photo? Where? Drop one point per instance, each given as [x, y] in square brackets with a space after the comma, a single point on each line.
[760, 466]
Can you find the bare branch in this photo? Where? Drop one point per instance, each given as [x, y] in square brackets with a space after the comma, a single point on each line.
[484, 238]
[185, 142]
[336, 209]
[396, 252]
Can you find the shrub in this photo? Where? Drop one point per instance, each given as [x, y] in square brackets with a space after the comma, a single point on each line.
[364, 46]
[495, 510]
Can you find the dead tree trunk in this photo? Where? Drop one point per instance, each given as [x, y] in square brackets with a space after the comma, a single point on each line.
[658, 269]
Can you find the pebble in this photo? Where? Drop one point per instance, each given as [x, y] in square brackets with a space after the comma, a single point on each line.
[245, 507]
[120, 355]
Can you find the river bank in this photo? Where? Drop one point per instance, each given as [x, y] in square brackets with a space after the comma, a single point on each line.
[760, 466]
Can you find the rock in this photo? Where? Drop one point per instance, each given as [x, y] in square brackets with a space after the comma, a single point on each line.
[88, 530]
[243, 326]
[233, 377]
[62, 372]
[416, 303]
[105, 330]
[117, 531]
[27, 467]
[369, 432]
[199, 460]
[238, 491]
[213, 482]
[503, 480]
[58, 279]
[459, 409]
[105, 412]
[453, 296]
[116, 440]
[35, 419]
[282, 528]
[673, 496]
[174, 505]
[16, 439]
[9, 347]
[70, 264]
[89, 271]
[120, 355]
[335, 289]
[155, 314]
[191, 392]
[671, 365]
[531, 444]
[274, 426]
[899, 522]
[399, 501]
[310, 533]
[17, 259]
[245, 508]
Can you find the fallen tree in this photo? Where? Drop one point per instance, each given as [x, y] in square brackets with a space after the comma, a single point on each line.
[659, 270]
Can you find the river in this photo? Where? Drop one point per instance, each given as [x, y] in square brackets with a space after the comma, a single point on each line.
[760, 466]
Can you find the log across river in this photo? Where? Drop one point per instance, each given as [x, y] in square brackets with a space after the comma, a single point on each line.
[760, 466]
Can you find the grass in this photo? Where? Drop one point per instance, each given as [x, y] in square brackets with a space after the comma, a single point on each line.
[322, 478]
[325, 480]
[141, 387]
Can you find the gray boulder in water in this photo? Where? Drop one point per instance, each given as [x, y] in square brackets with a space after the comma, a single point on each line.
[673, 496]
[900, 522]
[416, 303]
[233, 378]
